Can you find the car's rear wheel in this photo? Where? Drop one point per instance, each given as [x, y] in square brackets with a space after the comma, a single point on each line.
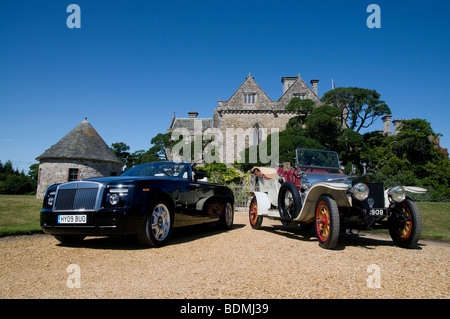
[157, 226]
[255, 220]
[405, 224]
[327, 222]
[227, 217]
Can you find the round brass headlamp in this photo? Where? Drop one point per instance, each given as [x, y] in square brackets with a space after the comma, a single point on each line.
[397, 194]
[360, 191]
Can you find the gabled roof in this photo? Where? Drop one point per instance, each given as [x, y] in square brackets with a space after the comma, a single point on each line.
[250, 82]
[82, 143]
[299, 85]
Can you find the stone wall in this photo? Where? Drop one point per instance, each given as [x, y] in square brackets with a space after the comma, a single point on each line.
[239, 128]
[57, 171]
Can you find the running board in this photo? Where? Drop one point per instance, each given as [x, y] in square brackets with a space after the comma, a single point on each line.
[274, 214]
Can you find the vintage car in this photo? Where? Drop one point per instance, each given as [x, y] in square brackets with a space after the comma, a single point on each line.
[317, 193]
[147, 200]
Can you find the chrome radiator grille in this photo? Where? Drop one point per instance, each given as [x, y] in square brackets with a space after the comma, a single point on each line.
[77, 196]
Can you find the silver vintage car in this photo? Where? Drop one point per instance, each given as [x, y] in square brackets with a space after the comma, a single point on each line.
[316, 192]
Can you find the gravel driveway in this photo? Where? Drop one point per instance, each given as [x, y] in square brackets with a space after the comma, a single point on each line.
[203, 262]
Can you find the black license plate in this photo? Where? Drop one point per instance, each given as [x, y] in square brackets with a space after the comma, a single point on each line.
[377, 212]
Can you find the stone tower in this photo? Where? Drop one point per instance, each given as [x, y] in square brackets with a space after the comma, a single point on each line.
[81, 154]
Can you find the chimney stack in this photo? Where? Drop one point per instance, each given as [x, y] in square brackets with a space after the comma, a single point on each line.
[396, 123]
[193, 114]
[387, 124]
[287, 82]
[315, 86]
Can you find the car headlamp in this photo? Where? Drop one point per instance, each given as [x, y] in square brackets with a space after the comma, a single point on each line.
[360, 191]
[114, 199]
[397, 194]
[115, 195]
[51, 198]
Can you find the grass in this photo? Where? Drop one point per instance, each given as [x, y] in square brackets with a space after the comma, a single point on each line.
[435, 220]
[19, 214]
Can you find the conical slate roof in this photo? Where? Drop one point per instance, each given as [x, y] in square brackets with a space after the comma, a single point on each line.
[82, 143]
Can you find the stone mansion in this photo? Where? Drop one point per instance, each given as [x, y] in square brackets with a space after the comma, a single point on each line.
[250, 108]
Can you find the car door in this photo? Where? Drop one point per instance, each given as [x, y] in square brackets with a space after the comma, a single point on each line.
[201, 192]
[193, 195]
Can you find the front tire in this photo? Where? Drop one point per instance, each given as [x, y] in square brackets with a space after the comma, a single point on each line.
[405, 224]
[327, 222]
[158, 225]
[255, 220]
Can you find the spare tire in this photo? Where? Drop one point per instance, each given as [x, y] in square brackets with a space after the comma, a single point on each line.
[289, 200]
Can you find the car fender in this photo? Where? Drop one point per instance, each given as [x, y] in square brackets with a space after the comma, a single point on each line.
[337, 190]
[414, 189]
[409, 189]
[200, 205]
[158, 194]
[263, 202]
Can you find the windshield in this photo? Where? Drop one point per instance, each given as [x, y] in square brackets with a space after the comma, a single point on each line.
[159, 169]
[317, 158]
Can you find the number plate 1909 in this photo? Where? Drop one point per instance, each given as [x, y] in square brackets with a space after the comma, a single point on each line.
[378, 212]
[71, 219]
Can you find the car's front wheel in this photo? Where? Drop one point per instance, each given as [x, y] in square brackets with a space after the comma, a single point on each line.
[327, 222]
[157, 226]
[405, 224]
[255, 220]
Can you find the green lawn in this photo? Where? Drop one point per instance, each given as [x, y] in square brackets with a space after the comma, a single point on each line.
[435, 220]
[19, 214]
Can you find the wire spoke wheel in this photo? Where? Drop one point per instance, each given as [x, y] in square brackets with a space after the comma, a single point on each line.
[289, 200]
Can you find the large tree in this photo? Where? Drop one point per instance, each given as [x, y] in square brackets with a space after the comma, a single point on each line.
[302, 107]
[121, 150]
[411, 157]
[323, 125]
[157, 152]
[359, 107]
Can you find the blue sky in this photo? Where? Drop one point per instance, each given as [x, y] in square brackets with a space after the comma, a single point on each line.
[133, 63]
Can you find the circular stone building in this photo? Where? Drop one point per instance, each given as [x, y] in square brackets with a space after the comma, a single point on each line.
[80, 154]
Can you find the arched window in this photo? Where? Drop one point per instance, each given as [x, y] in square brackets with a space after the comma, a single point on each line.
[257, 134]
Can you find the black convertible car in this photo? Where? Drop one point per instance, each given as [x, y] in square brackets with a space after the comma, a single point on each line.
[147, 200]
